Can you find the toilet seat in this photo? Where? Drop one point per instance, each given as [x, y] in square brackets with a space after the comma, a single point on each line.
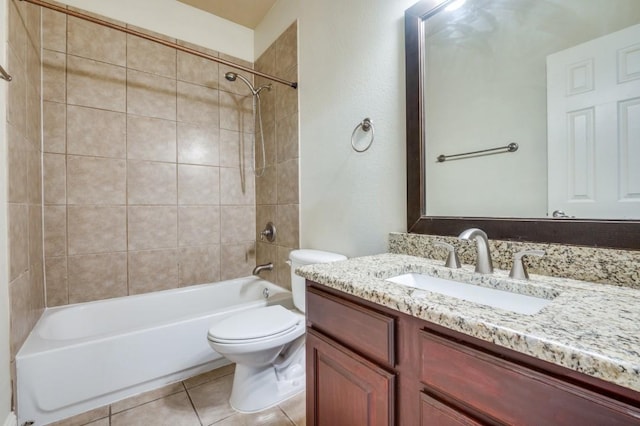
[254, 325]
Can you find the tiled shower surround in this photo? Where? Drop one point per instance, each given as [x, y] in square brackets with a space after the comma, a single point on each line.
[277, 195]
[26, 282]
[144, 187]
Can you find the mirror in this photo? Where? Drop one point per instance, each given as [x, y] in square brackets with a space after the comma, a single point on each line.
[483, 74]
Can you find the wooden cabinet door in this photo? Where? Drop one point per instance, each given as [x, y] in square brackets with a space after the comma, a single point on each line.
[435, 413]
[344, 389]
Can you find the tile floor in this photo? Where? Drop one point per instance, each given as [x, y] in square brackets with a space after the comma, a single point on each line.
[198, 401]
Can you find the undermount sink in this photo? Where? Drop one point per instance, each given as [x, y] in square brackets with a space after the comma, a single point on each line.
[514, 302]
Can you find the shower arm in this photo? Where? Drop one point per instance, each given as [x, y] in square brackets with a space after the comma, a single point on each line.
[185, 49]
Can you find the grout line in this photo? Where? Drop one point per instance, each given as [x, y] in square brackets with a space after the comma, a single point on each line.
[192, 404]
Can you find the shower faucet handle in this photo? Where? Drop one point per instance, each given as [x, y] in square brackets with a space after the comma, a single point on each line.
[269, 232]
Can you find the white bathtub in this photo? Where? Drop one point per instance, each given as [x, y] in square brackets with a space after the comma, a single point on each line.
[88, 355]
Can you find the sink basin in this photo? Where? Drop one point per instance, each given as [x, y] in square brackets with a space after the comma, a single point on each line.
[514, 302]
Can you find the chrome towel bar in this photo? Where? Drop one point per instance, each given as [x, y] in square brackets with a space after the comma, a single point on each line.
[5, 75]
[512, 147]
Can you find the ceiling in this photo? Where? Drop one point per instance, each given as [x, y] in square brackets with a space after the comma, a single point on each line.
[248, 13]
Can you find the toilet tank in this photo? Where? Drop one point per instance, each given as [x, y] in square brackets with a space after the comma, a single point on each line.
[307, 257]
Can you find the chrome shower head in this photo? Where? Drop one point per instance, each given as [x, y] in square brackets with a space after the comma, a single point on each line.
[231, 76]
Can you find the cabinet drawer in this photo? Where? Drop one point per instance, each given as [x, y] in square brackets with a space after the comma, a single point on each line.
[363, 330]
[435, 413]
[512, 393]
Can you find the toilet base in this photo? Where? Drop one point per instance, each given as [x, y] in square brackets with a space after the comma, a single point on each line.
[258, 388]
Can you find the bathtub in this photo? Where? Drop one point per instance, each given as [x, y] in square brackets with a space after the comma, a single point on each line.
[83, 356]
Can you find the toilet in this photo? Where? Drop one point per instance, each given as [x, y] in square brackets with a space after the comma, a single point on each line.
[267, 344]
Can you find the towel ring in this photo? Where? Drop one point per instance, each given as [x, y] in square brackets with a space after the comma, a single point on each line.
[365, 125]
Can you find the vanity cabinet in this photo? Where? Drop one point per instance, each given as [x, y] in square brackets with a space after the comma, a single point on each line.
[370, 365]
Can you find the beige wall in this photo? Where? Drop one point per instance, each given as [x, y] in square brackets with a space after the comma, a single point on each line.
[351, 67]
[26, 283]
[277, 193]
[142, 178]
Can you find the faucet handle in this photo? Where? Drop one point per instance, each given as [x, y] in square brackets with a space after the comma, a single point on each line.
[518, 270]
[452, 259]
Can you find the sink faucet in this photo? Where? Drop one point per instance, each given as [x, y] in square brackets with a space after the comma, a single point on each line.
[260, 268]
[483, 262]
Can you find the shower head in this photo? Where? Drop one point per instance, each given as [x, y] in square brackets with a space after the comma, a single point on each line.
[232, 76]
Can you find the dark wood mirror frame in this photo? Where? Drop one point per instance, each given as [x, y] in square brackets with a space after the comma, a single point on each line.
[620, 234]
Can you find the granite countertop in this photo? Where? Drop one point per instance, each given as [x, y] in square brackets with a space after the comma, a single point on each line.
[590, 328]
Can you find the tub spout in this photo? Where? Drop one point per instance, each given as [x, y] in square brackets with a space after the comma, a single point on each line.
[260, 268]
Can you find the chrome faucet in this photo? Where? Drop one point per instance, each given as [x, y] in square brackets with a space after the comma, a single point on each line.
[483, 261]
[260, 268]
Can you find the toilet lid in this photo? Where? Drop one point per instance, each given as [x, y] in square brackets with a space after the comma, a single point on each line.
[254, 323]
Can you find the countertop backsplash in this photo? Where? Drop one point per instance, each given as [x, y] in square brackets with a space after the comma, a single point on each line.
[598, 265]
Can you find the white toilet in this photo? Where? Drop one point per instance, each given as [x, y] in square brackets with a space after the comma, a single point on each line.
[267, 344]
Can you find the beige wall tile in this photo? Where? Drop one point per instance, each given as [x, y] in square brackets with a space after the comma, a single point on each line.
[198, 104]
[151, 57]
[35, 234]
[198, 144]
[17, 34]
[151, 95]
[287, 50]
[287, 97]
[54, 127]
[96, 84]
[236, 190]
[266, 187]
[152, 270]
[151, 139]
[237, 224]
[18, 240]
[151, 183]
[93, 41]
[34, 25]
[231, 143]
[17, 94]
[97, 276]
[198, 185]
[54, 178]
[19, 299]
[194, 69]
[54, 80]
[198, 225]
[288, 182]
[96, 132]
[238, 260]
[287, 137]
[199, 265]
[96, 229]
[56, 279]
[267, 61]
[55, 231]
[288, 220]
[34, 115]
[152, 227]
[17, 157]
[236, 111]
[34, 176]
[54, 30]
[94, 180]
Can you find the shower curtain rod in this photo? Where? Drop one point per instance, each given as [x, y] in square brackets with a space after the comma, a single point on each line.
[159, 41]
